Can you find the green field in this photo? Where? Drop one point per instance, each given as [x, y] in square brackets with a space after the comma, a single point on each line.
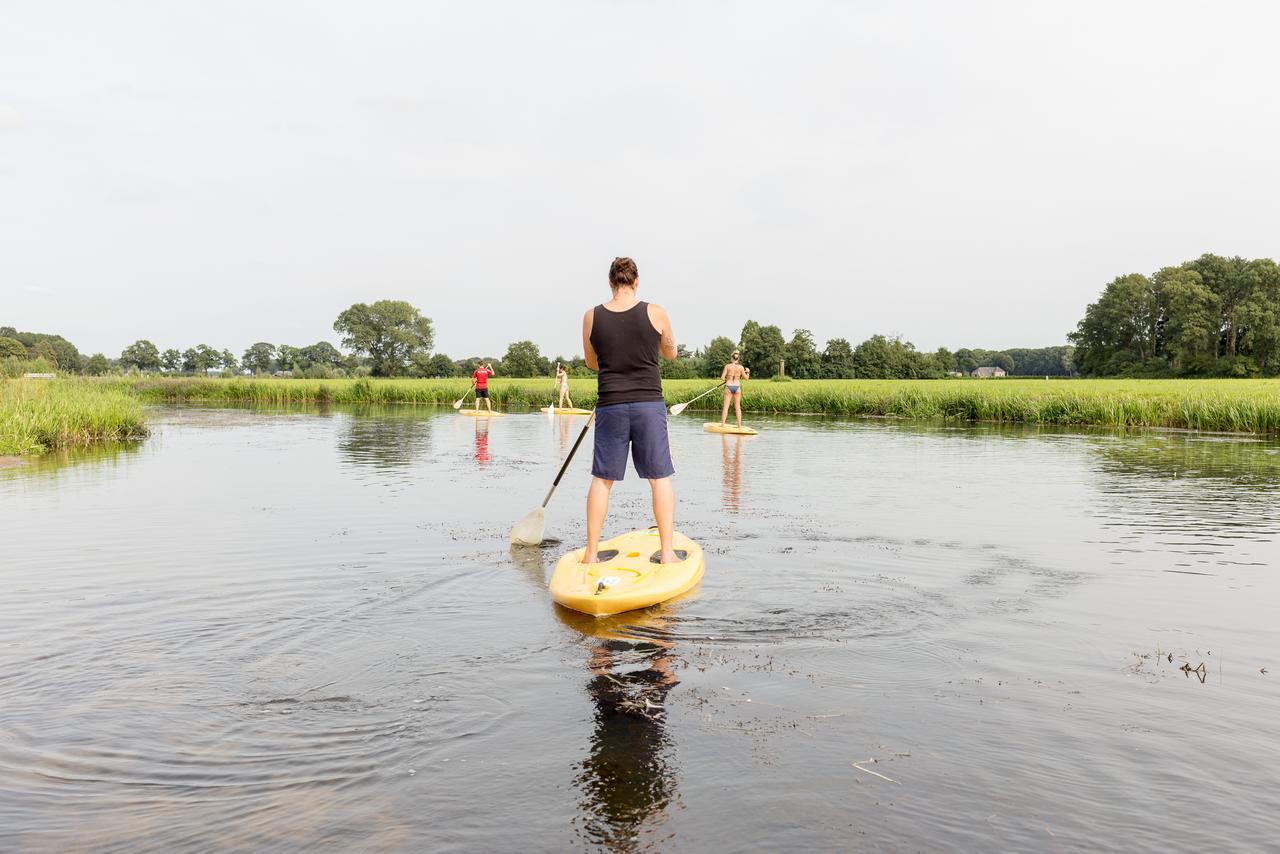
[48, 415]
[1249, 406]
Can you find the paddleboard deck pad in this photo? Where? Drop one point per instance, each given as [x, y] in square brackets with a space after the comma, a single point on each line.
[628, 576]
[560, 411]
[714, 427]
[480, 413]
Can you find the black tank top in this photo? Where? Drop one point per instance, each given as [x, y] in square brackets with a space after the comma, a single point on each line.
[626, 346]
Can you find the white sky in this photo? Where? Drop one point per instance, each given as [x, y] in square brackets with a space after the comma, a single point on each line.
[961, 173]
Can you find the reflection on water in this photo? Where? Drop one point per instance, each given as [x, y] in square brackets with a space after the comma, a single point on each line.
[731, 460]
[280, 629]
[112, 454]
[386, 437]
[482, 442]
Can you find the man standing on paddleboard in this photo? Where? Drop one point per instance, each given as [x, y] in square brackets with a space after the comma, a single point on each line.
[480, 376]
[624, 340]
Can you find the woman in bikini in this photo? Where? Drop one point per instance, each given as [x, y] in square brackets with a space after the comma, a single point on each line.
[562, 386]
[733, 376]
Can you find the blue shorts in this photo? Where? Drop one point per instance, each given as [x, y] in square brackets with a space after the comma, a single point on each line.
[640, 426]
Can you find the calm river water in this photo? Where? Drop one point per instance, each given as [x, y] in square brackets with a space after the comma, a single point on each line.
[273, 630]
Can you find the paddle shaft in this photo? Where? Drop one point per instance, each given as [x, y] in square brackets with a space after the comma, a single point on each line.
[704, 394]
[569, 459]
[457, 403]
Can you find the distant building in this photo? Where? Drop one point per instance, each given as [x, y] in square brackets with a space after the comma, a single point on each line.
[988, 372]
[39, 376]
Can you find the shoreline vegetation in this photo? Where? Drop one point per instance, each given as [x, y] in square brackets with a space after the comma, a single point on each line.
[38, 416]
[1241, 406]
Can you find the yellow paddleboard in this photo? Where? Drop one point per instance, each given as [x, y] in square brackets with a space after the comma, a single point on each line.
[714, 427]
[480, 413]
[627, 579]
[560, 411]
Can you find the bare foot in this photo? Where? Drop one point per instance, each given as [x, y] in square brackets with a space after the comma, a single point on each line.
[669, 556]
[595, 558]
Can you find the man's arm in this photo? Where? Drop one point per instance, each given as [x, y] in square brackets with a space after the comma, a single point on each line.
[661, 322]
[588, 352]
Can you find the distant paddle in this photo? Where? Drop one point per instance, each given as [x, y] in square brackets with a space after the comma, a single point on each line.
[457, 404]
[529, 530]
[680, 407]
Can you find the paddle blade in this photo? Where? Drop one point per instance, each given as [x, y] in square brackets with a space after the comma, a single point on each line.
[457, 404]
[528, 531]
[551, 413]
[678, 408]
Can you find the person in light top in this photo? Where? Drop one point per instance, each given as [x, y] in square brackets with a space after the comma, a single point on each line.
[562, 387]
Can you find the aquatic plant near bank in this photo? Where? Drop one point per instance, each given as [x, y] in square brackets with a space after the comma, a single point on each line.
[1251, 406]
[47, 415]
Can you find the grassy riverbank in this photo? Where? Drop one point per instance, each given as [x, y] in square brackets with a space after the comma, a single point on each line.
[42, 415]
[1249, 406]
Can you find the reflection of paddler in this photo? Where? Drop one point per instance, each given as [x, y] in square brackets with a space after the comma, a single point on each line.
[732, 479]
[564, 437]
[627, 780]
[482, 441]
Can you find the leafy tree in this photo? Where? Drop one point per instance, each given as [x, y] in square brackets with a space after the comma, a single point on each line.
[289, 358]
[97, 365]
[12, 348]
[440, 365]
[716, 355]
[804, 362]
[1191, 325]
[891, 358]
[43, 349]
[966, 361]
[1003, 361]
[1069, 361]
[141, 355]
[837, 359]
[199, 359]
[321, 353]
[391, 332]
[524, 359]
[944, 360]
[259, 358]
[171, 360]
[1259, 315]
[763, 348]
[228, 360]
[682, 367]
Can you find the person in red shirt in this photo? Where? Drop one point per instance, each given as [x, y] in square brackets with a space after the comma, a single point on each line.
[480, 376]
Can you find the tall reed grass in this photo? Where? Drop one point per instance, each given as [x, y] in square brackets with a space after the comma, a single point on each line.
[47, 415]
[1249, 406]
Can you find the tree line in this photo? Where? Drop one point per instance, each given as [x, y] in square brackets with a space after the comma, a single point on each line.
[1213, 316]
[391, 338]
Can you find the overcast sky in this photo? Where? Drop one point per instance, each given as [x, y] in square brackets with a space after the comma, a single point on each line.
[962, 174]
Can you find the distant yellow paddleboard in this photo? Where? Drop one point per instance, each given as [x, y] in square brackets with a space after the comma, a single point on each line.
[480, 413]
[560, 411]
[716, 427]
[628, 578]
